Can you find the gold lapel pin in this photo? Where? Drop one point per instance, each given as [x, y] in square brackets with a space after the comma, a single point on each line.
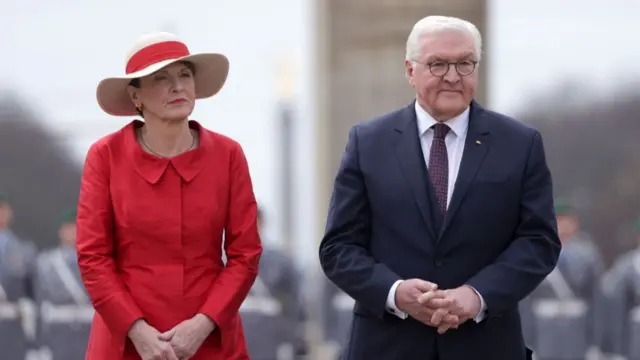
[478, 142]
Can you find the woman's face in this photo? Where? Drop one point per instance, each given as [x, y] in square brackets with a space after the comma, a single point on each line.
[168, 94]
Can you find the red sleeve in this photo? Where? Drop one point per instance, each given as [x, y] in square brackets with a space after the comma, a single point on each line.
[242, 246]
[95, 240]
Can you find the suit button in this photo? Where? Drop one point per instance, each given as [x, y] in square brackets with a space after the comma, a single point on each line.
[438, 263]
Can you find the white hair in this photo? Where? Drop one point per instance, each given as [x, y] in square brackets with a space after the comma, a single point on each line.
[433, 24]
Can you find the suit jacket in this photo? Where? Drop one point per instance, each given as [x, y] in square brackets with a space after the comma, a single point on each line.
[499, 234]
[150, 240]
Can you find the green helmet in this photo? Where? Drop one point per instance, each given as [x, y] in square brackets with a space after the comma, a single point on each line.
[68, 217]
[562, 207]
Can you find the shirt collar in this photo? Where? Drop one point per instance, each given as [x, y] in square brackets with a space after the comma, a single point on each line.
[152, 168]
[458, 124]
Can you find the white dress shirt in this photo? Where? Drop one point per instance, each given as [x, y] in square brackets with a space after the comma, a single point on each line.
[454, 140]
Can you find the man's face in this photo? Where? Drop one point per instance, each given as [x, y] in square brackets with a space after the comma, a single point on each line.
[260, 222]
[6, 215]
[445, 95]
[567, 226]
[67, 234]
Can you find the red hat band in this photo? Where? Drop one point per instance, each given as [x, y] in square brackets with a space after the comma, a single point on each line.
[156, 53]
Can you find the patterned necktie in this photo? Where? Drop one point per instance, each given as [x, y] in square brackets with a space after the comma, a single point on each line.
[439, 165]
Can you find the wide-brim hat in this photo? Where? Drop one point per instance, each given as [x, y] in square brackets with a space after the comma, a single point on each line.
[151, 53]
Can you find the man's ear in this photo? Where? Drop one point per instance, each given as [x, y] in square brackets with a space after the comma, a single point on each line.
[408, 68]
[408, 71]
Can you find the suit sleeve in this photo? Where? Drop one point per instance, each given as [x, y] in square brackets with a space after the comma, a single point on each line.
[344, 250]
[534, 251]
[242, 247]
[95, 246]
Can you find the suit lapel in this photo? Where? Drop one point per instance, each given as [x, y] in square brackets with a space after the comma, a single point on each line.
[411, 158]
[476, 147]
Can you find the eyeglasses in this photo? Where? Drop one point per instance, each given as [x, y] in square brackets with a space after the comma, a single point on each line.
[441, 68]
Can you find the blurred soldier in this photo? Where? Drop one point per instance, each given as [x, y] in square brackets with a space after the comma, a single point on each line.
[558, 318]
[273, 314]
[65, 309]
[622, 289]
[17, 317]
[338, 313]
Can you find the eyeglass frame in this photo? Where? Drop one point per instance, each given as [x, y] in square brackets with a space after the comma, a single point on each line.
[449, 63]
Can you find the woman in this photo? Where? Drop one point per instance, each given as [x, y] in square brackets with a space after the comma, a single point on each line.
[155, 199]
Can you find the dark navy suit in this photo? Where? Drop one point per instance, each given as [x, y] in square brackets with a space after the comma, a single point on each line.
[499, 234]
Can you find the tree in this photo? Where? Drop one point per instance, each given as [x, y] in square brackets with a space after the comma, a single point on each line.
[594, 156]
[37, 172]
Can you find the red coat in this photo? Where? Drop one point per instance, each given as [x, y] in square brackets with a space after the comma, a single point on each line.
[149, 238]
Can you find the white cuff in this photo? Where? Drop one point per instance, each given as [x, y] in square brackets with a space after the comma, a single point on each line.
[483, 307]
[391, 302]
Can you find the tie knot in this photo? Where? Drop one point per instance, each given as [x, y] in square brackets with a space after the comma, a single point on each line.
[440, 130]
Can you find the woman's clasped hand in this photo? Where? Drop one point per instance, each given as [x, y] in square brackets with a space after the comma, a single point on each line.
[179, 343]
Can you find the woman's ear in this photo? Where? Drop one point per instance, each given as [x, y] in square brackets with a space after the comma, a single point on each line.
[133, 94]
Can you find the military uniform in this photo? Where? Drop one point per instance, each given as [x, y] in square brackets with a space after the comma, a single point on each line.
[65, 310]
[16, 271]
[17, 314]
[338, 315]
[622, 290]
[559, 316]
[273, 314]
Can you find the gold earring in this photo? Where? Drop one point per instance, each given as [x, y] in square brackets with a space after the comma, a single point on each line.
[139, 107]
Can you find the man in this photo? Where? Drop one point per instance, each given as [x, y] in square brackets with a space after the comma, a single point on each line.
[441, 218]
[64, 307]
[273, 314]
[16, 269]
[561, 324]
[622, 290]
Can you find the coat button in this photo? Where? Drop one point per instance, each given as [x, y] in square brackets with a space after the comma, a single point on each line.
[438, 263]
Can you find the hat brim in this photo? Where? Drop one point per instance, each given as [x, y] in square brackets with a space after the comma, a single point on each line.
[211, 71]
